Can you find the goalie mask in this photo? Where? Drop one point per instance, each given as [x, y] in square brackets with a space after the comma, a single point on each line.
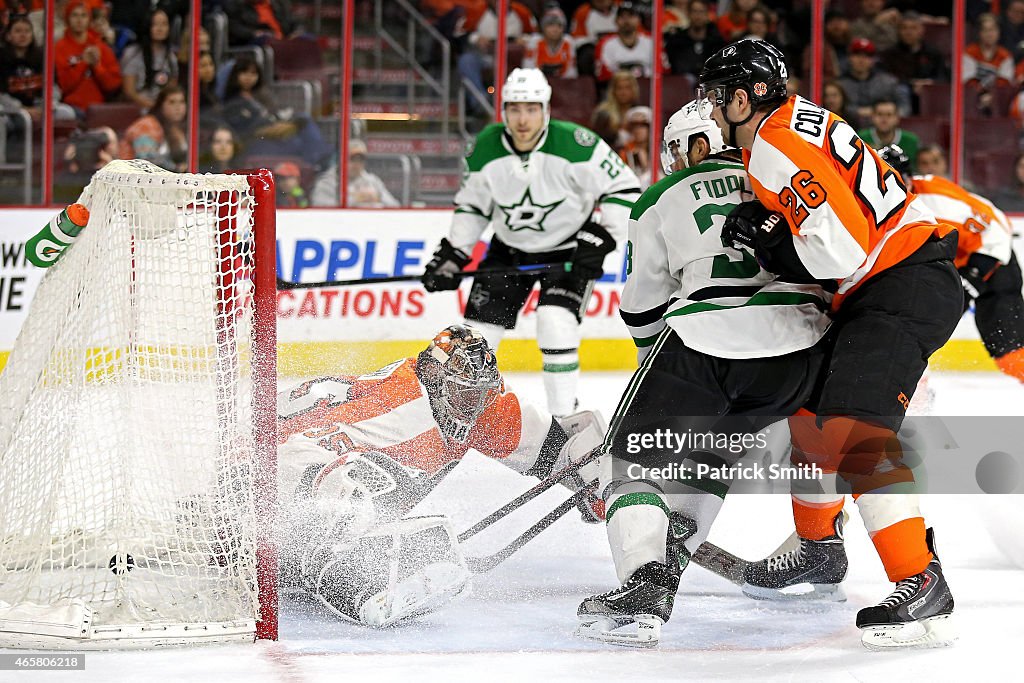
[460, 373]
[679, 132]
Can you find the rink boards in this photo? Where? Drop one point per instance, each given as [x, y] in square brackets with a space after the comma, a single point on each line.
[359, 327]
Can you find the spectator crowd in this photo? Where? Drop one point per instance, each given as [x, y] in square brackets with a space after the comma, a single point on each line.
[121, 72]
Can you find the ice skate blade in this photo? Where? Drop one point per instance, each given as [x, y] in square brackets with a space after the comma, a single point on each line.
[642, 630]
[811, 592]
[939, 631]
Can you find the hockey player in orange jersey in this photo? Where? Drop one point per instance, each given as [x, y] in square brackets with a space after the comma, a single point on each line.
[985, 259]
[358, 453]
[828, 208]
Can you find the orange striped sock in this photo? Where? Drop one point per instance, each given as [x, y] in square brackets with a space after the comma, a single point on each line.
[1012, 364]
[902, 548]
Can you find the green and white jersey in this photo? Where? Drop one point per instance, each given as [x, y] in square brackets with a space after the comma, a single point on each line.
[537, 201]
[716, 298]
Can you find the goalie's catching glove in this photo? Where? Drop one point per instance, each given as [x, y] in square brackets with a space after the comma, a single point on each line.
[976, 272]
[442, 272]
[593, 243]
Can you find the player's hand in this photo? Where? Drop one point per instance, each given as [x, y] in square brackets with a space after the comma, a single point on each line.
[593, 243]
[751, 225]
[976, 272]
[442, 271]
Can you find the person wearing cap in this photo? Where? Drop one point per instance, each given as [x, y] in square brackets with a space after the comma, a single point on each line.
[287, 179]
[637, 150]
[365, 189]
[629, 49]
[551, 50]
[87, 70]
[865, 84]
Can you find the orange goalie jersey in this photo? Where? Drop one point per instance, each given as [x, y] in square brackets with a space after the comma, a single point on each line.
[851, 215]
[388, 410]
[983, 228]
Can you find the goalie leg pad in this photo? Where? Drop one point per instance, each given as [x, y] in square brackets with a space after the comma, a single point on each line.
[398, 571]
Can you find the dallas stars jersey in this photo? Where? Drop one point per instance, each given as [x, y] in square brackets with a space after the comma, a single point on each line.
[716, 298]
[538, 201]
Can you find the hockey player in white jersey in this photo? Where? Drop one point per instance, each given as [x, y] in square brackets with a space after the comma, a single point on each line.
[358, 453]
[554, 192]
[725, 347]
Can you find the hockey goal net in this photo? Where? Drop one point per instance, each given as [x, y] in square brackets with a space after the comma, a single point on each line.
[137, 422]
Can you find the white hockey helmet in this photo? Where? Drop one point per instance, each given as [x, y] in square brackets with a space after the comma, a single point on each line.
[528, 85]
[681, 127]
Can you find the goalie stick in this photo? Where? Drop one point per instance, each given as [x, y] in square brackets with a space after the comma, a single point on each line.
[535, 268]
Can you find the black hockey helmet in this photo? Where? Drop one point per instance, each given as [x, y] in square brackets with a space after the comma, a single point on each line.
[756, 66]
[895, 156]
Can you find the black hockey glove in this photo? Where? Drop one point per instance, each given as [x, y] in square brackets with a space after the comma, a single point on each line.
[593, 243]
[976, 272]
[753, 226]
[442, 271]
[766, 233]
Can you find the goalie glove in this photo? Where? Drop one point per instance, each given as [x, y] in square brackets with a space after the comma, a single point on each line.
[976, 273]
[441, 273]
[593, 243]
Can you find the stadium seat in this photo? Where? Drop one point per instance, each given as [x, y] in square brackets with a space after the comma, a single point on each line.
[989, 171]
[295, 56]
[117, 115]
[939, 36]
[934, 99]
[573, 99]
[932, 130]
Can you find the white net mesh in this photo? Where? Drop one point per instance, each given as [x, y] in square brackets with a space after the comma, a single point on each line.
[125, 411]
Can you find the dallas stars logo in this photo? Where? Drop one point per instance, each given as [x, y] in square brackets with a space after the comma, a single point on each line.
[526, 214]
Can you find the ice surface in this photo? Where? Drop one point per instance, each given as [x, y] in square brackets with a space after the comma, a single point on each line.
[517, 623]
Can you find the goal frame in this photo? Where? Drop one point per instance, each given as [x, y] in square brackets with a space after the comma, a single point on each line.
[68, 624]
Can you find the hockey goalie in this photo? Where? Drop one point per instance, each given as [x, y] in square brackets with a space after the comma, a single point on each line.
[358, 453]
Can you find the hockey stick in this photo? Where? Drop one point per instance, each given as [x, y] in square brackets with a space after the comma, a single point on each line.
[535, 268]
[478, 565]
[523, 499]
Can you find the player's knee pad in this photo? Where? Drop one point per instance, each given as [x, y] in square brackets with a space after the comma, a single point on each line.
[397, 571]
[558, 332]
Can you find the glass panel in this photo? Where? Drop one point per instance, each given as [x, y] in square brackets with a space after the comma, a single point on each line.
[990, 127]
[22, 81]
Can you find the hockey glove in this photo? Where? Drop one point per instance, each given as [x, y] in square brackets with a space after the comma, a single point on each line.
[593, 243]
[976, 272]
[766, 233]
[441, 273]
[753, 226]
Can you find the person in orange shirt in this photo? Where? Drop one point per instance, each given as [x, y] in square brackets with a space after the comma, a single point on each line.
[985, 259]
[87, 70]
[829, 209]
[733, 24]
[358, 453]
[551, 50]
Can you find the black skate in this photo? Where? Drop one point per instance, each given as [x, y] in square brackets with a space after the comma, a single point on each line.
[918, 614]
[801, 569]
[632, 614]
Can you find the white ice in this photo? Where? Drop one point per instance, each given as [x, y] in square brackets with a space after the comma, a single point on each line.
[517, 624]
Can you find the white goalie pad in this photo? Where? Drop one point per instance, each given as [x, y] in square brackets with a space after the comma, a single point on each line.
[397, 571]
[586, 430]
